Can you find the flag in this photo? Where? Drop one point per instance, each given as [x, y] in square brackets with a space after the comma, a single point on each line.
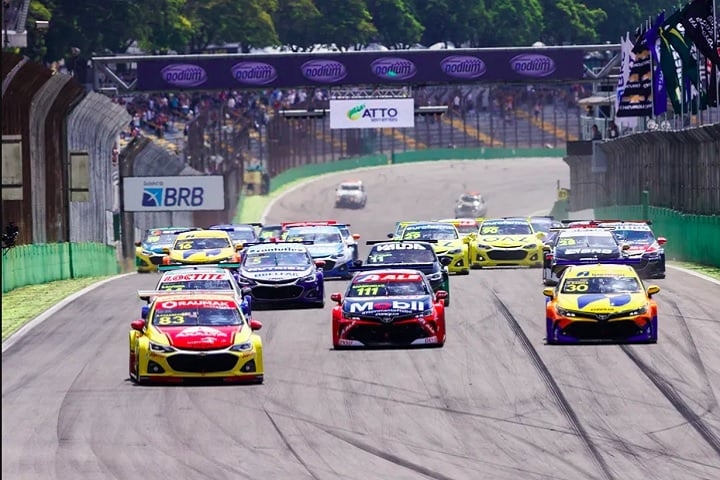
[670, 70]
[676, 52]
[626, 59]
[636, 98]
[698, 20]
[659, 92]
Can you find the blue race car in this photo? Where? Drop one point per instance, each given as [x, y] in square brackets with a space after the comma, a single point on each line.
[240, 233]
[282, 274]
[650, 250]
[326, 243]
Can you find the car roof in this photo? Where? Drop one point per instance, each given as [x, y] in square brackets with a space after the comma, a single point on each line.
[232, 227]
[169, 230]
[599, 269]
[204, 234]
[185, 271]
[276, 247]
[315, 228]
[196, 295]
[390, 274]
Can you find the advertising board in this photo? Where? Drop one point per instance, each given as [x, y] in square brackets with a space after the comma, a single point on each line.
[174, 194]
[372, 113]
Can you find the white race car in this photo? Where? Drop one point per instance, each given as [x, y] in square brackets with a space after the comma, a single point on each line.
[350, 195]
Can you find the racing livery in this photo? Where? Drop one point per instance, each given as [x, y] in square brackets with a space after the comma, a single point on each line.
[240, 233]
[282, 274]
[192, 336]
[350, 194]
[642, 245]
[202, 247]
[326, 243]
[393, 307]
[270, 233]
[465, 226]
[447, 243]
[408, 254]
[577, 246]
[150, 251]
[470, 205]
[507, 242]
[601, 303]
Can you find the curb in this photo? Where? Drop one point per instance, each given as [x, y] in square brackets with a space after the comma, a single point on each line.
[22, 331]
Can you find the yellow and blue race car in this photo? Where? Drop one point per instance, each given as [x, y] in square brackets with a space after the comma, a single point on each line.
[504, 242]
[203, 247]
[446, 242]
[150, 251]
[195, 335]
[601, 302]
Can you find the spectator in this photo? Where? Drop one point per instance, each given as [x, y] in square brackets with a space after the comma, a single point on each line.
[596, 135]
[613, 131]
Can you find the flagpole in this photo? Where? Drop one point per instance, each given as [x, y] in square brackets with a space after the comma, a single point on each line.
[717, 67]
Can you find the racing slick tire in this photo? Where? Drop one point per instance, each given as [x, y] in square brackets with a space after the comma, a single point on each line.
[319, 304]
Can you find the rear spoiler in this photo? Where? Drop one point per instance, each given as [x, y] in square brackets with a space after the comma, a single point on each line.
[148, 294]
[396, 266]
[304, 242]
[314, 223]
[398, 240]
[596, 222]
[195, 266]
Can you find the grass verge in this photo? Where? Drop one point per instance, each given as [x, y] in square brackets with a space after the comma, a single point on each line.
[252, 207]
[21, 305]
[713, 272]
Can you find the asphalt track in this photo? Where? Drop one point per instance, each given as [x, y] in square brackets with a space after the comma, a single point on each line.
[495, 403]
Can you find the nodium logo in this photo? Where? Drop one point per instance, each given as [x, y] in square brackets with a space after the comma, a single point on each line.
[393, 68]
[254, 73]
[184, 75]
[533, 65]
[325, 71]
[463, 66]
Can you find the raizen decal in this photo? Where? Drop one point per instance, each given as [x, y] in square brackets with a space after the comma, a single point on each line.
[324, 71]
[533, 65]
[393, 68]
[156, 195]
[254, 73]
[463, 66]
[184, 75]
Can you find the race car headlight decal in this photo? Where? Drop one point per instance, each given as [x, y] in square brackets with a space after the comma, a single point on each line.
[565, 313]
[245, 281]
[530, 246]
[308, 278]
[156, 347]
[639, 311]
[455, 251]
[147, 252]
[242, 347]
[435, 276]
[484, 246]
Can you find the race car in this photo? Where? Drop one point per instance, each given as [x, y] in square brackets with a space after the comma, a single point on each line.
[392, 307]
[326, 243]
[270, 233]
[350, 238]
[240, 233]
[448, 243]
[281, 275]
[409, 254]
[399, 227]
[350, 194]
[642, 244]
[150, 251]
[198, 335]
[180, 277]
[465, 226]
[598, 302]
[505, 242]
[470, 205]
[577, 246]
[202, 247]
[544, 224]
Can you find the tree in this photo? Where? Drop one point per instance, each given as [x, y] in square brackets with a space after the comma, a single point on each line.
[395, 21]
[344, 22]
[168, 29]
[457, 21]
[292, 19]
[516, 22]
[36, 49]
[570, 22]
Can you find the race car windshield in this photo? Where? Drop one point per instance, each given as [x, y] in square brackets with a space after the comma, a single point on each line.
[506, 229]
[609, 284]
[196, 285]
[201, 244]
[586, 241]
[635, 236]
[270, 232]
[314, 237]
[242, 236]
[351, 188]
[276, 259]
[469, 199]
[162, 239]
[541, 225]
[192, 316]
[430, 233]
[389, 289]
[415, 255]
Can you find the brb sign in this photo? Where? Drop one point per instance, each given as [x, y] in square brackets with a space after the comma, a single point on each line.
[166, 194]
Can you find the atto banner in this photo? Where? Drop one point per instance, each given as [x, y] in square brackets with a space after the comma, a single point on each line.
[232, 71]
[372, 113]
[174, 194]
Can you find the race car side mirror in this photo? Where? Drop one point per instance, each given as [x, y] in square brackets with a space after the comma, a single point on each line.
[652, 290]
[441, 295]
[466, 240]
[336, 297]
[357, 263]
[446, 261]
[239, 246]
[137, 244]
[662, 240]
[546, 248]
[626, 246]
[540, 235]
[166, 250]
[138, 325]
[255, 325]
[144, 311]
[356, 236]
[319, 263]
[390, 235]
[549, 292]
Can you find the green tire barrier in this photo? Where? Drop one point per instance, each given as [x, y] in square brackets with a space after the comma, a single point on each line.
[43, 263]
[250, 208]
[691, 238]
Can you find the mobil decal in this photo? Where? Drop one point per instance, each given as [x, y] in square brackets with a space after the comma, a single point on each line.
[390, 277]
[390, 306]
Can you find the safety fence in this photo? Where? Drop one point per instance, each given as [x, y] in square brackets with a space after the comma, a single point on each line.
[43, 263]
[690, 238]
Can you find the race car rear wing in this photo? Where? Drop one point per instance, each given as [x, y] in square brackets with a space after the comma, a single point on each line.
[422, 267]
[314, 223]
[165, 268]
[279, 242]
[595, 223]
[398, 240]
[149, 294]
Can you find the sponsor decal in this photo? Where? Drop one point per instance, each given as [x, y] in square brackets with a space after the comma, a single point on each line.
[389, 277]
[199, 331]
[377, 114]
[400, 246]
[184, 277]
[393, 68]
[172, 304]
[463, 66]
[614, 300]
[184, 75]
[389, 306]
[254, 73]
[533, 65]
[162, 196]
[324, 71]
[576, 251]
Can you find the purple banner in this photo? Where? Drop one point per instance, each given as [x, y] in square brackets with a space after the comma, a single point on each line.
[238, 71]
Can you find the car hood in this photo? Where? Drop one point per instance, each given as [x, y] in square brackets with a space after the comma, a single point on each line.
[193, 256]
[444, 245]
[389, 307]
[349, 193]
[324, 250]
[201, 337]
[276, 273]
[155, 247]
[508, 240]
[637, 249]
[599, 303]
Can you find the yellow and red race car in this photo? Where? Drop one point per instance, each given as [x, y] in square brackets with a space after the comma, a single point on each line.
[203, 247]
[601, 302]
[197, 334]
